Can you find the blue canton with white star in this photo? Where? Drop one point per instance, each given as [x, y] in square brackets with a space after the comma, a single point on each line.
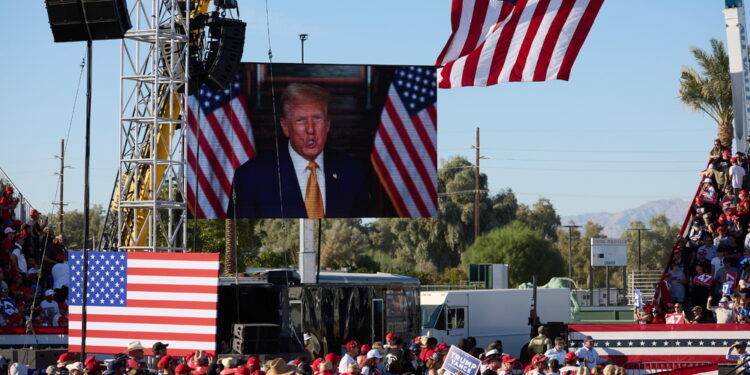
[213, 99]
[107, 278]
[416, 86]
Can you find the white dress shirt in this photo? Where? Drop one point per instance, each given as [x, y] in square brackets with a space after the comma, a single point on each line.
[303, 173]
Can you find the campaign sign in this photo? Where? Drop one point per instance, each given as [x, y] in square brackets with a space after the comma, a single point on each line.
[637, 299]
[675, 318]
[459, 361]
[726, 288]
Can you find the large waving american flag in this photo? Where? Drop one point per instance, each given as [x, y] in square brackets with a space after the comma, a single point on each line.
[623, 343]
[219, 140]
[167, 297]
[404, 155]
[496, 41]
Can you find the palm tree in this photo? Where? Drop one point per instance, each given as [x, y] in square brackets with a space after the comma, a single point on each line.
[710, 91]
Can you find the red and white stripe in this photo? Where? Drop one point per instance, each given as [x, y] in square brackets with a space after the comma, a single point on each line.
[608, 335]
[226, 141]
[494, 41]
[405, 157]
[172, 298]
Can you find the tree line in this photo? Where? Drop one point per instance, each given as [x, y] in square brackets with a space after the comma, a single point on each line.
[437, 250]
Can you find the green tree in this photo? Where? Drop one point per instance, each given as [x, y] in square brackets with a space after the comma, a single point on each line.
[73, 229]
[710, 91]
[342, 244]
[208, 236]
[656, 243]
[525, 250]
[541, 216]
[433, 245]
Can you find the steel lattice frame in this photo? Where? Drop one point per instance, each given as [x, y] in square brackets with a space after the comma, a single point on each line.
[151, 212]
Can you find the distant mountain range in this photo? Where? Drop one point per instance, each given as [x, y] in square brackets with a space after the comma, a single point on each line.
[616, 223]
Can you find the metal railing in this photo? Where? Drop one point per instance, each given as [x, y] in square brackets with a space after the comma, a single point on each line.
[643, 281]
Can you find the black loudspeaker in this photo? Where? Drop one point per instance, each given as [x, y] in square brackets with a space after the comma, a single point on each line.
[224, 51]
[71, 20]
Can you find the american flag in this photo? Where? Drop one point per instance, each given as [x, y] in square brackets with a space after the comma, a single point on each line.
[167, 297]
[226, 141]
[660, 342]
[404, 155]
[497, 41]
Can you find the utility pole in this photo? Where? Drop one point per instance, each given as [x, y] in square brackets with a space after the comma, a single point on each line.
[476, 188]
[61, 202]
[570, 248]
[639, 244]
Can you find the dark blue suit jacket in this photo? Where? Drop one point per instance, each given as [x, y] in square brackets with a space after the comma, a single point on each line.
[256, 187]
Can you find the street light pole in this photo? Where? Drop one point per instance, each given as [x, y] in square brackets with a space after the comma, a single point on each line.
[302, 39]
[570, 248]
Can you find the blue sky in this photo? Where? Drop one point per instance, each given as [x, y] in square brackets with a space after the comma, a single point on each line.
[611, 138]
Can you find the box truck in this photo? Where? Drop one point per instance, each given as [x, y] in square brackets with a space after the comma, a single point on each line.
[489, 315]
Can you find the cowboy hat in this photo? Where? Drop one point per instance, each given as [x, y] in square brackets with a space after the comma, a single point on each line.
[279, 367]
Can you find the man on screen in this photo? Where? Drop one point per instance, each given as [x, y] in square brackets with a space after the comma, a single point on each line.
[302, 178]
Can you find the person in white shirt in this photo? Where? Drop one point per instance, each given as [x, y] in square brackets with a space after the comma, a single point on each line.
[60, 272]
[18, 259]
[49, 305]
[352, 350]
[737, 175]
[588, 354]
[558, 352]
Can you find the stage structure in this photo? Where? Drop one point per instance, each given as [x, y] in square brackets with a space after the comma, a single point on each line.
[148, 196]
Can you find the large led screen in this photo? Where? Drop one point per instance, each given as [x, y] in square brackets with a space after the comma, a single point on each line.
[314, 141]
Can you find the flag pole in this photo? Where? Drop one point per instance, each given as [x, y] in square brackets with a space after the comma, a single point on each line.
[89, 50]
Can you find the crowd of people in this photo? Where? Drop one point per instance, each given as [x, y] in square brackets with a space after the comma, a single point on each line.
[422, 356]
[711, 263]
[33, 270]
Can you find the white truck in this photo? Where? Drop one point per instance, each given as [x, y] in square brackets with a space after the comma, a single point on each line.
[489, 315]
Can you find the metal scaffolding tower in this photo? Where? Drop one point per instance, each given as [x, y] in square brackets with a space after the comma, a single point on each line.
[151, 214]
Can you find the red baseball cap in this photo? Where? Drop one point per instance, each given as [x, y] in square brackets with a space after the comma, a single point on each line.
[538, 358]
[34, 213]
[252, 361]
[331, 357]
[90, 359]
[315, 364]
[507, 358]
[570, 357]
[66, 357]
[351, 345]
[389, 336]
[9, 189]
[364, 348]
[93, 365]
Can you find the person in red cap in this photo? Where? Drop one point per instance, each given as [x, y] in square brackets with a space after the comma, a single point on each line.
[395, 356]
[63, 361]
[362, 357]
[253, 364]
[538, 364]
[352, 350]
[571, 364]
[506, 365]
[7, 206]
[93, 367]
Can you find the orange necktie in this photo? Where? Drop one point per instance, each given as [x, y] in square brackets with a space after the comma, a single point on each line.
[313, 197]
